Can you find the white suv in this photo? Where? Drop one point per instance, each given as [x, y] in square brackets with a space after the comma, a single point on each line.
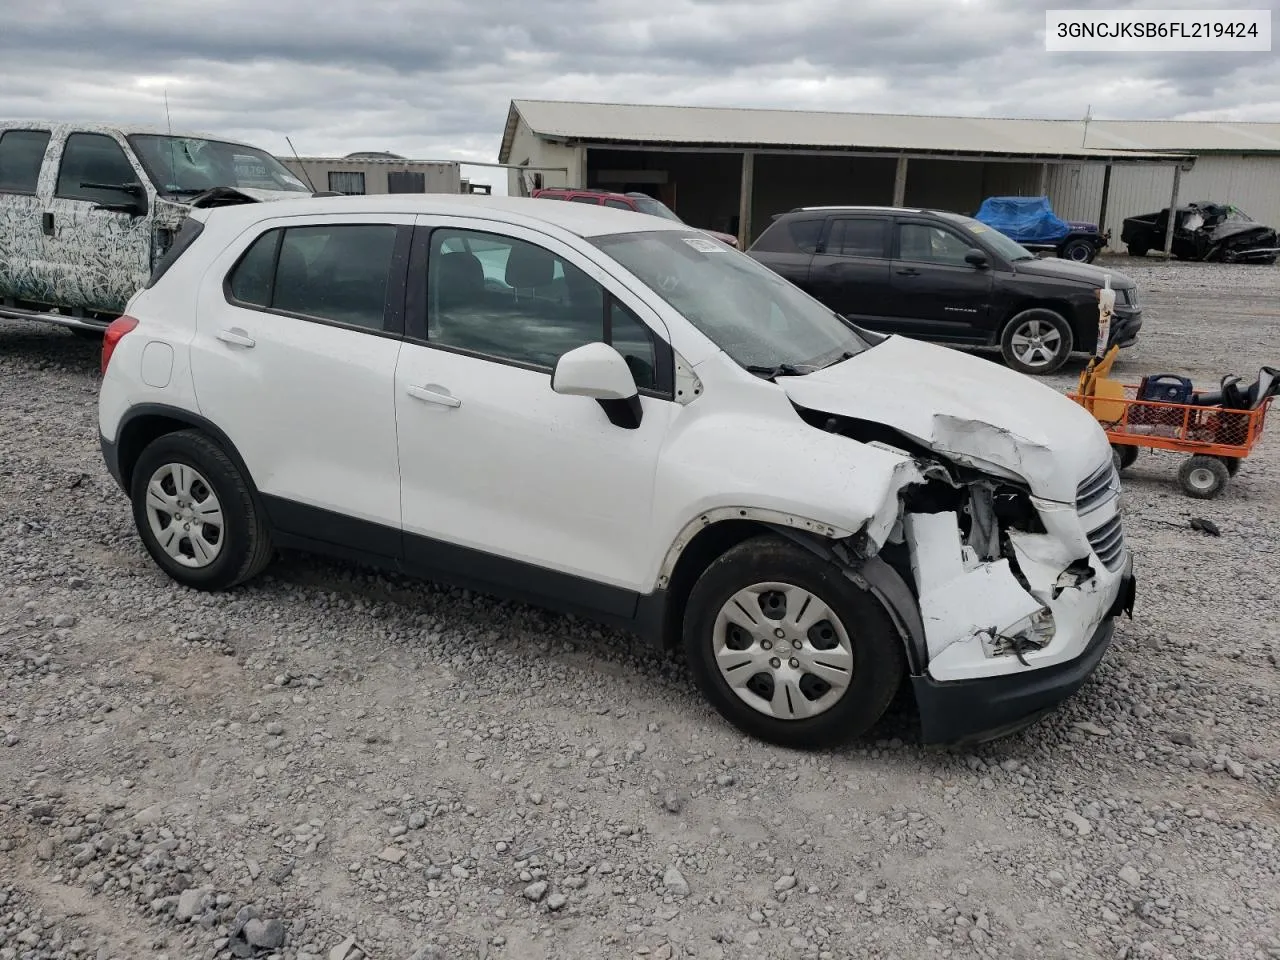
[612, 414]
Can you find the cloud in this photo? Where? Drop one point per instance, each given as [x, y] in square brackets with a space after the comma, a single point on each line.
[433, 78]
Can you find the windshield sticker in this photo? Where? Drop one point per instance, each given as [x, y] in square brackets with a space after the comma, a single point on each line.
[977, 228]
[704, 245]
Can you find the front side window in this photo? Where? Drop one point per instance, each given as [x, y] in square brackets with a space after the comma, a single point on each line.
[513, 300]
[584, 199]
[21, 157]
[929, 244]
[339, 273]
[92, 162]
[618, 204]
[758, 318]
[655, 208]
[186, 166]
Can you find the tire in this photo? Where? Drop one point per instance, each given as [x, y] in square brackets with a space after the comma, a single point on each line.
[1078, 251]
[1232, 464]
[189, 460]
[1124, 455]
[1053, 332]
[864, 645]
[1137, 250]
[1203, 477]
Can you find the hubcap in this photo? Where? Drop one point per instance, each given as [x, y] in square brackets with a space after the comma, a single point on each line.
[185, 515]
[783, 651]
[1202, 478]
[1036, 343]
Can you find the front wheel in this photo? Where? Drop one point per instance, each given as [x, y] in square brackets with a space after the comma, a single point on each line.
[1037, 341]
[1137, 250]
[196, 514]
[788, 649]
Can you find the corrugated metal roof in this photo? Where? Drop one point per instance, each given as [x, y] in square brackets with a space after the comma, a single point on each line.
[736, 127]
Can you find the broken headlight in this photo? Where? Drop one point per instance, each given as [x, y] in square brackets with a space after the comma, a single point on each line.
[1014, 510]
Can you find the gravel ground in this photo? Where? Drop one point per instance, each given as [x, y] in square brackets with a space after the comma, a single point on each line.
[332, 764]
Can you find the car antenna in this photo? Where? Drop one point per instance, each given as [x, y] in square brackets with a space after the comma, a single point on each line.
[173, 158]
[301, 167]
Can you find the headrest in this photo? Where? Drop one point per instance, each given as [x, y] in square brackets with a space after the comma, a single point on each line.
[460, 273]
[529, 266]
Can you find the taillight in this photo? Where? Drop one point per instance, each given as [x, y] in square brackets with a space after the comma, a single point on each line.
[118, 328]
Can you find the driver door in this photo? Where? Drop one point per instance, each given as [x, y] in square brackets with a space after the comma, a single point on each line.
[99, 256]
[937, 294]
[502, 480]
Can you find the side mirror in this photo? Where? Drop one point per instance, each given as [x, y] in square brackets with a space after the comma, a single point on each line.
[598, 371]
[133, 197]
[976, 257]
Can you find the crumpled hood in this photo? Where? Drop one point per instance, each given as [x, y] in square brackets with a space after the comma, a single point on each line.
[965, 408]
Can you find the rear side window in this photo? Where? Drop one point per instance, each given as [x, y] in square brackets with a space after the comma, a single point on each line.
[857, 237]
[186, 236]
[582, 199]
[339, 273]
[21, 156]
[93, 158]
[620, 204]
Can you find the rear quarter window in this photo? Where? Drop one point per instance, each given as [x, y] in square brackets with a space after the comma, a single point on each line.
[791, 236]
[185, 237]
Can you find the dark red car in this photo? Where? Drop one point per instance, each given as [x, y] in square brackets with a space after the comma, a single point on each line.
[639, 202]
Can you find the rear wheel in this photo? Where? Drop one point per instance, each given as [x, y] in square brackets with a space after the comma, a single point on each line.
[1203, 477]
[1037, 341]
[1232, 465]
[788, 649]
[1137, 250]
[1081, 251]
[196, 513]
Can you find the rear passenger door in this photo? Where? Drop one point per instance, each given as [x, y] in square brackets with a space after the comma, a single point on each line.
[787, 247]
[22, 155]
[850, 271]
[936, 294]
[297, 333]
[100, 256]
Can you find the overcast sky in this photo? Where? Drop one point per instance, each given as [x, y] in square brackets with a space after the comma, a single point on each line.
[432, 79]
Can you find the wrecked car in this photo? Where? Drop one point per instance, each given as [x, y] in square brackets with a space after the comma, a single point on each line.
[1204, 230]
[86, 212]
[615, 416]
[1031, 223]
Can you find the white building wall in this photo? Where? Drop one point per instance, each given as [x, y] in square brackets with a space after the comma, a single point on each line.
[440, 177]
[527, 148]
[1250, 182]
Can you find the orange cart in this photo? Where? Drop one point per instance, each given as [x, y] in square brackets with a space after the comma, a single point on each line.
[1217, 438]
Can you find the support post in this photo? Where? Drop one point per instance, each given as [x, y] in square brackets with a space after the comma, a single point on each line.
[1044, 180]
[900, 183]
[744, 198]
[1106, 195]
[1173, 211]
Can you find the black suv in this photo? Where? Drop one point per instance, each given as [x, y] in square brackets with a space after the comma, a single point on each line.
[944, 277]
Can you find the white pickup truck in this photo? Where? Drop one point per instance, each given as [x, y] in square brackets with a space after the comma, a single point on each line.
[87, 211]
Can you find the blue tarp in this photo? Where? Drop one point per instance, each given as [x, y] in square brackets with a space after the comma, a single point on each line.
[1024, 219]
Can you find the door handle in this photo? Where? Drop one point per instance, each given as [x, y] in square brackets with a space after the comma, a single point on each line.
[236, 336]
[46, 224]
[432, 394]
[909, 272]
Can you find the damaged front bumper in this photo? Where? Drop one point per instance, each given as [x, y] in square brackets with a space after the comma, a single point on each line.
[972, 711]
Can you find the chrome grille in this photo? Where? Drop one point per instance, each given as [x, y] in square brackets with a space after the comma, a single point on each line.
[1108, 543]
[1095, 488]
[1107, 539]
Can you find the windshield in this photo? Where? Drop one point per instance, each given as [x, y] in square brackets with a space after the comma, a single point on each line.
[759, 319]
[1009, 249]
[655, 208]
[186, 165]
